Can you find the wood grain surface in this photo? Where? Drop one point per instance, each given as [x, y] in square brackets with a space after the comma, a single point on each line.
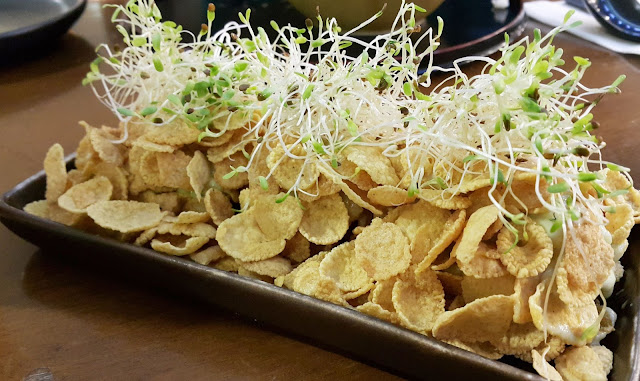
[62, 321]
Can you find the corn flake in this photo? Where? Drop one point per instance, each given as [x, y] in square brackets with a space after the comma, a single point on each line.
[235, 144]
[146, 236]
[585, 266]
[199, 173]
[228, 264]
[216, 141]
[57, 214]
[178, 245]
[543, 368]
[75, 177]
[86, 156]
[566, 321]
[477, 288]
[107, 151]
[259, 169]
[520, 339]
[387, 195]
[470, 261]
[251, 274]
[241, 237]
[620, 223]
[168, 202]
[197, 229]
[272, 267]
[615, 181]
[56, 171]
[125, 216]
[218, 206]
[37, 208]
[307, 280]
[410, 218]
[524, 288]
[277, 219]
[172, 169]
[382, 293]
[455, 303]
[351, 172]
[287, 280]
[153, 147]
[116, 175]
[79, 197]
[375, 310]
[483, 349]
[188, 217]
[418, 300]
[434, 247]
[224, 167]
[177, 133]
[325, 220]
[495, 313]
[549, 349]
[585, 363]
[528, 257]
[191, 204]
[322, 187]
[208, 255]
[374, 163]
[341, 266]
[444, 200]
[290, 171]
[426, 236]
[348, 192]
[297, 249]
[382, 250]
[451, 283]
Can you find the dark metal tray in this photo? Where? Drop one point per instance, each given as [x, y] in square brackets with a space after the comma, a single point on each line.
[371, 340]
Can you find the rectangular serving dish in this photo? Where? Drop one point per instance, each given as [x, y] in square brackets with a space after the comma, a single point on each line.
[390, 347]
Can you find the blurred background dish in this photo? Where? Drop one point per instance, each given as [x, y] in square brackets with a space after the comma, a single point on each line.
[620, 17]
[471, 27]
[27, 26]
[351, 13]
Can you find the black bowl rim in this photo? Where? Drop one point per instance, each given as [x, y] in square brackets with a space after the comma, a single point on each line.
[74, 11]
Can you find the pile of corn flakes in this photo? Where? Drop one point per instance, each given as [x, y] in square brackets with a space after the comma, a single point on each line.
[437, 263]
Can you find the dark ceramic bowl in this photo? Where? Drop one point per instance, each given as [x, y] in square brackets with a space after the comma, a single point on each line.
[26, 25]
[620, 17]
[471, 27]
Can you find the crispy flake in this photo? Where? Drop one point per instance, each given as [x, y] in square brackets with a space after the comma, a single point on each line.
[529, 257]
[240, 237]
[382, 250]
[495, 313]
[199, 173]
[585, 363]
[372, 161]
[341, 266]
[125, 216]
[79, 197]
[56, 171]
[217, 205]
[418, 300]
[325, 220]
[179, 245]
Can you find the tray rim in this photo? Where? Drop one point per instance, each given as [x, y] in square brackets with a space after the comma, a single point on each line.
[10, 213]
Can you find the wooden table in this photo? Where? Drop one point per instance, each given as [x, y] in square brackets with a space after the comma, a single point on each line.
[83, 324]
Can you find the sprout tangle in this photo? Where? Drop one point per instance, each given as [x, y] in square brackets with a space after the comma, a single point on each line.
[524, 114]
